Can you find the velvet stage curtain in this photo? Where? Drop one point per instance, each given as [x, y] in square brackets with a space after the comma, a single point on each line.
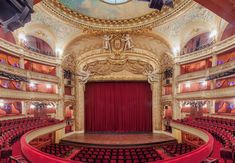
[118, 107]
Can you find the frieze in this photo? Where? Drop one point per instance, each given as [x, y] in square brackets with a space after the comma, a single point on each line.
[87, 23]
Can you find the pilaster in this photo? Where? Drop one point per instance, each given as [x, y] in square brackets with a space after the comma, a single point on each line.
[156, 104]
[79, 107]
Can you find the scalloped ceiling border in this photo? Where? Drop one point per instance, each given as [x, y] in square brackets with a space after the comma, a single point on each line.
[87, 23]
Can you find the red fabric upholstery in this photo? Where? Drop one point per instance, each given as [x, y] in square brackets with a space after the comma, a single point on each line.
[118, 107]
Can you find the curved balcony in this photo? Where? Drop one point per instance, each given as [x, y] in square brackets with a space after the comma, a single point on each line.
[196, 155]
[205, 73]
[28, 74]
[209, 94]
[215, 49]
[28, 54]
[35, 155]
[14, 94]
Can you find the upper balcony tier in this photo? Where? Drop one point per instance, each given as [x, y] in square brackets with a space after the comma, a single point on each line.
[214, 49]
[207, 72]
[17, 50]
[28, 74]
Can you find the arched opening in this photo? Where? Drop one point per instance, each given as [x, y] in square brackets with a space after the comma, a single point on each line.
[228, 32]
[38, 45]
[198, 42]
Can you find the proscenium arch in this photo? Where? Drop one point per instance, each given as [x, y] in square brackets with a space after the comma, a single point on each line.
[96, 40]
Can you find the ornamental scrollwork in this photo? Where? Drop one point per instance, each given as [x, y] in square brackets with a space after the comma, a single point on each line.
[106, 67]
[117, 43]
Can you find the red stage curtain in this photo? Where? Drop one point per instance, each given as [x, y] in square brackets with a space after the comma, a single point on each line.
[118, 107]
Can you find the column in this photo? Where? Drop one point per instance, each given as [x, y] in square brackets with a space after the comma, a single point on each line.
[25, 107]
[79, 107]
[177, 134]
[156, 104]
[22, 61]
[60, 105]
[175, 90]
[214, 60]
[212, 107]
[60, 91]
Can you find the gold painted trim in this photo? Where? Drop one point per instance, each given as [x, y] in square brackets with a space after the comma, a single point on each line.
[87, 23]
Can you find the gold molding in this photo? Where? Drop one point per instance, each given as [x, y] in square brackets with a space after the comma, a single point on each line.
[87, 23]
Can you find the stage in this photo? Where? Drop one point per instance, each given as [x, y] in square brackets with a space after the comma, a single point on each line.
[117, 139]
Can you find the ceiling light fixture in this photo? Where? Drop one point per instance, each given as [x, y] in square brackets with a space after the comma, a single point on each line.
[213, 33]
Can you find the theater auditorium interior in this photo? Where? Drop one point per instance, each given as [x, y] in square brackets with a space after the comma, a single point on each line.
[117, 81]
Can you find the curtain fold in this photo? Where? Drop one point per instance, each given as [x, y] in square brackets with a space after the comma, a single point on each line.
[118, 107]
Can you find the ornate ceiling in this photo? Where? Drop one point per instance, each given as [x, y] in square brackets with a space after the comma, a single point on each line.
[65, 28]
[99, 9]
[96, 15]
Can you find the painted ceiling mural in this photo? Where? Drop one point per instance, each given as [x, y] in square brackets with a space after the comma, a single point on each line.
[102, 10]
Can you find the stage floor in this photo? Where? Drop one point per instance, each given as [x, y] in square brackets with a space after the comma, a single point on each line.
[117, 139]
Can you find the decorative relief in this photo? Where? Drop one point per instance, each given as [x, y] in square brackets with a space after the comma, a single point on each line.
[106, 67]
[90, 23]
[146, 47]
[174, 30]
[117, 43]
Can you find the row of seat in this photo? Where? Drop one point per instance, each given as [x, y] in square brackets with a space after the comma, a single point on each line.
[59, 150]
[177, 149]
[119, 155]
[221, 129]
[12, 130]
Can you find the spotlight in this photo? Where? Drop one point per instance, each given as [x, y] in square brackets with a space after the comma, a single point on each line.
[1, 104]
[32, 85]
[32, 106]
[22, 37]
[48, 86]
[204, 83]
[187, 85]
[213, 34]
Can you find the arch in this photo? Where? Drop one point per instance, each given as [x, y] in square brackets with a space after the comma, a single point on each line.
[228, 32]
[40, 31]
[38, 45]
[192, 30]
[198, 42]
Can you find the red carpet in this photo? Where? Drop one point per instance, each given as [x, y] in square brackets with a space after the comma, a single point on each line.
[16, 149]
[216, 152]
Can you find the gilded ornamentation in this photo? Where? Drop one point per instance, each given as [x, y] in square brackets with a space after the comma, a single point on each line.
[117, 43]
[83, 76]
[153, 76]
[106, 67]
[90, 23]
